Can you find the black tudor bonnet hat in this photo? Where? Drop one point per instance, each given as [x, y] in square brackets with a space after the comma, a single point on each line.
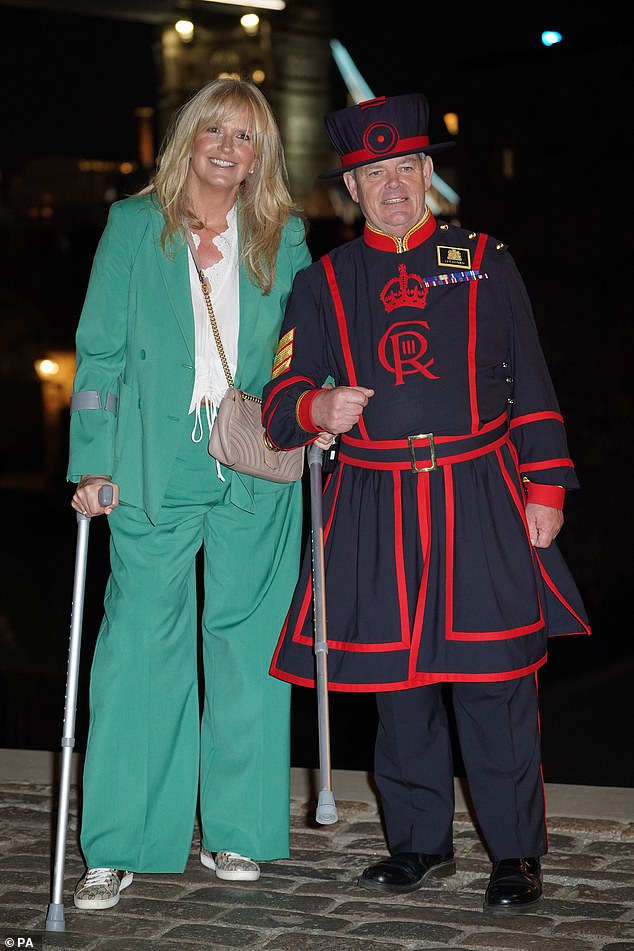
[380, 129]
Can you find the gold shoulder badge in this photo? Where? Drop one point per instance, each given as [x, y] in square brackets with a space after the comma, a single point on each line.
[284, 354]
[454, 257]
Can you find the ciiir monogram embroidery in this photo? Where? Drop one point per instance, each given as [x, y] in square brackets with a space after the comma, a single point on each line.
[402, 348]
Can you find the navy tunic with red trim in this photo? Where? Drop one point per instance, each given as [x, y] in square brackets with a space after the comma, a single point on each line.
[430, 574]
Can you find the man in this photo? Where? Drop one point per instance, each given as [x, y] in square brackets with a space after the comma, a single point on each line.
[415, 346]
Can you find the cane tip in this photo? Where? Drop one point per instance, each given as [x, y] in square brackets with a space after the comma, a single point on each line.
[55, 917]
[326, 813]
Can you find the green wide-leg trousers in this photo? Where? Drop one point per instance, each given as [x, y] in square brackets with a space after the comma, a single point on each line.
[149, 749]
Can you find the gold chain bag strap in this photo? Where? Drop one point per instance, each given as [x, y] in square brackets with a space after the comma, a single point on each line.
[238, 439]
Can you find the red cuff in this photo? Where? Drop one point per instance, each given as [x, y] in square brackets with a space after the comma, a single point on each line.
[303, 411]
[552, 495]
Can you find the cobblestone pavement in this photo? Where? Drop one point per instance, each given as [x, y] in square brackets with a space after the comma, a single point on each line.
[311, 902]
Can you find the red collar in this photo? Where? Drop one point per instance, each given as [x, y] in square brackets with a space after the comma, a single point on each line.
[382, 241]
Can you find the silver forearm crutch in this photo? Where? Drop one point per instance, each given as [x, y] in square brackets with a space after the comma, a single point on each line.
[55, 915]
[326, 812]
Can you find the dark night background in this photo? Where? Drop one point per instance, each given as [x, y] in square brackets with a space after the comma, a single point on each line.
[69, 86]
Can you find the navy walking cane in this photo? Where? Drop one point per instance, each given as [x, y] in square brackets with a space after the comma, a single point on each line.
[326, 812]
[55, 916]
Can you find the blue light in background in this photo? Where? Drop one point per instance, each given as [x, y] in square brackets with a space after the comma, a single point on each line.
[550, 37]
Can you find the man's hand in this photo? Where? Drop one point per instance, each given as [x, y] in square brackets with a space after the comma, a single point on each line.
[544, 523]
[338, 410]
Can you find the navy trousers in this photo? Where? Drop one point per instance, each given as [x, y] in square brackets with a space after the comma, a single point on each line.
[498, 731]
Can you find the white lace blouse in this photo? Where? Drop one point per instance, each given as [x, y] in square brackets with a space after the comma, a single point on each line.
[210, 383]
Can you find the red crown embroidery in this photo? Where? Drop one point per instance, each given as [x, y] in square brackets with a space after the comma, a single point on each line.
[406, 290]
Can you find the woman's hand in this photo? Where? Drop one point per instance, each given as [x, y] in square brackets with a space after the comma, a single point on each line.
[325, 441]
[86, 497]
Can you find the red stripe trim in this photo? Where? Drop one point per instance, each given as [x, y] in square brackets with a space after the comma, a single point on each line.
[401, 147]
[400, 443]
[471, 346]
[343, 330]
[506, 634]
[519, 505]
[364, 648]
[368, 103]
[300, 638]
[399, 558]
[424, 532]
[297, 635]
[356, 648]
[407, 465]
[541, 494]
[545, 464]
[450, 528]
[419, 680]
[535, 418]
[585, 628]
[480, 636]
[518, 499]
[303, 410]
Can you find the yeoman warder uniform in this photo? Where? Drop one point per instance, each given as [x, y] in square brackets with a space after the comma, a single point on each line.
[430, 574]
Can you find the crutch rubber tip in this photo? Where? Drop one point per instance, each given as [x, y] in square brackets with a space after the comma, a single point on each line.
[326, 813]
[55, 917]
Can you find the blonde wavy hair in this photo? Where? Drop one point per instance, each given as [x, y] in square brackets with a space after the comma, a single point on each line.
[264, 203]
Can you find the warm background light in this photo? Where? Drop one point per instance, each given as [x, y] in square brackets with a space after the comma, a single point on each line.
[45, 369]
[451, 122]
[250, 23]
[185, 29]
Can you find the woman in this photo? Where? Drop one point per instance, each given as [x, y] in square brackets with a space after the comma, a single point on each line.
[148, 384]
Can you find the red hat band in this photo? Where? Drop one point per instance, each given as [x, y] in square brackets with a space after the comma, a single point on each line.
[382, 148]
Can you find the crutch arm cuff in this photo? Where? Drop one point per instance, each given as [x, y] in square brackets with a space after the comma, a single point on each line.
[91, 399]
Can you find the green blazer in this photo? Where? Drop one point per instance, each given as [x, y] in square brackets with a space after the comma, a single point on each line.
[135, 353]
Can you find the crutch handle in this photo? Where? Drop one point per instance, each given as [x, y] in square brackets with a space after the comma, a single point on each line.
[105, 494]
[105, 497]
[314, 455]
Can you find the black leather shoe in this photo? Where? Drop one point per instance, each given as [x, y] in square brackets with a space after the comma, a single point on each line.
[407, 871]
[515, 884]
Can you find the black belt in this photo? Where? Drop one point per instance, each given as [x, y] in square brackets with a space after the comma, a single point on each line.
[423, 452]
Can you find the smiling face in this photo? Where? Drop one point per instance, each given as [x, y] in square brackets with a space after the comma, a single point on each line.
[222, 154]
[391, 193]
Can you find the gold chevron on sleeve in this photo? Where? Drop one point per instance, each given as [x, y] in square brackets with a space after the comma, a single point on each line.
[284, 353]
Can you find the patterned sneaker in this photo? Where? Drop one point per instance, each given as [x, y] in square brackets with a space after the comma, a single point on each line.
[100, 888]
[230, 866]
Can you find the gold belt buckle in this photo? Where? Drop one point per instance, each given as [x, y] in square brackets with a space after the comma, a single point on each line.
[432, 452]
